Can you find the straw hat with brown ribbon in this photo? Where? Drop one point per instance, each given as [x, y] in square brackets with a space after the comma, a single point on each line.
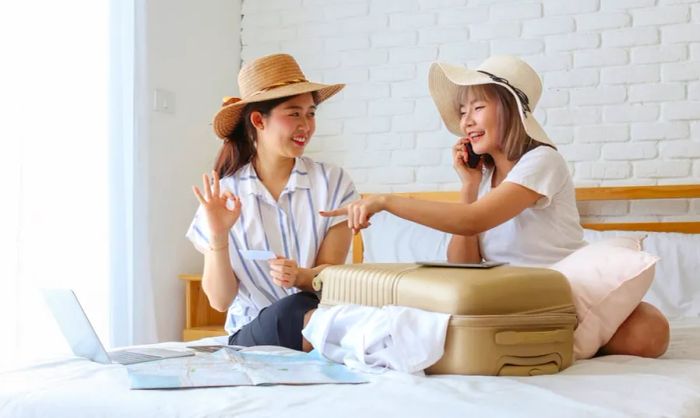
[514, 74]
[266, 78]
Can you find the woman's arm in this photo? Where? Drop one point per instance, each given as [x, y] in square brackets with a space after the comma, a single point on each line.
[462, 248]
[465, 248]
[219, 282]
[499, 205]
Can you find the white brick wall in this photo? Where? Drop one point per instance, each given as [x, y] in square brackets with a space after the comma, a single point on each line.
[621, 90]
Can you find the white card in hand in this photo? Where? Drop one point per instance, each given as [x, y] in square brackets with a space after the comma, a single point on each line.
[257, 254]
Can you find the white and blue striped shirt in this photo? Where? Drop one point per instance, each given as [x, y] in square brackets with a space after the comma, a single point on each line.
[290, 227]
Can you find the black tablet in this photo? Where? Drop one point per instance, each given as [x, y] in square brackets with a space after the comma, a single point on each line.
[482, 265]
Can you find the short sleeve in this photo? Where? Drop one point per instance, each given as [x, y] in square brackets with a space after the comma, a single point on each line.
[542, 170]
[342, 191]
[198, 232]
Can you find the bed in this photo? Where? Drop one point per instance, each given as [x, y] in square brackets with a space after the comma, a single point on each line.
[611, 386]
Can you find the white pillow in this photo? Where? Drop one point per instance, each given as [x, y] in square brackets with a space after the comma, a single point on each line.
[676, 288]
[391, 239]
[608, 280]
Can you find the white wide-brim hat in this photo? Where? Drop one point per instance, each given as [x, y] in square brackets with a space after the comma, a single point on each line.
[266, 78]
[521, 80]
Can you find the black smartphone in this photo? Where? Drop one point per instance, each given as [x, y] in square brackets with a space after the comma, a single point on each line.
[472, 157]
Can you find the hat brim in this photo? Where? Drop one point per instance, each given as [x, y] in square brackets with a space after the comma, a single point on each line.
[229, 116]
[445, 82]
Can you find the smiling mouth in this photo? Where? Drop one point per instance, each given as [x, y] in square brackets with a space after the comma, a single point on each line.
[300, 140]
[475, 135]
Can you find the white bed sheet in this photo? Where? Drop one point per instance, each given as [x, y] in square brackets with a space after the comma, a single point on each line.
[612, 386]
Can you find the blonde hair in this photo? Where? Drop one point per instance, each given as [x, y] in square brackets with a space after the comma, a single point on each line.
[513, 138]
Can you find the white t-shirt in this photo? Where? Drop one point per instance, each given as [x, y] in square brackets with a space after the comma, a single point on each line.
[290, 227]
[549, 230]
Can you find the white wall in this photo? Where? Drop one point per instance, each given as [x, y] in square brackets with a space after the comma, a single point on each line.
[622, 96]
[192, 50]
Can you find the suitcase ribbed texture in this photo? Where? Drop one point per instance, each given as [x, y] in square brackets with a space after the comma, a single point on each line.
[372, 287]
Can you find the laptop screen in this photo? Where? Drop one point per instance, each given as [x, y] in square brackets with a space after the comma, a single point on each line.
[74, 324]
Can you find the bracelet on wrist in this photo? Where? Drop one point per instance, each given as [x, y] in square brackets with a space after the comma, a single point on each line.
[214, 247]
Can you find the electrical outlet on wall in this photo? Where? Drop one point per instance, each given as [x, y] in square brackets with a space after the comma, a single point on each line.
[163, 101]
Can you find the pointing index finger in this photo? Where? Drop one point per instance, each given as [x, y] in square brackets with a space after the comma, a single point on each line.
[334, 212]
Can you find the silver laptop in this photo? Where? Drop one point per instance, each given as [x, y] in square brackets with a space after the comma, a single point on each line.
[83, 340]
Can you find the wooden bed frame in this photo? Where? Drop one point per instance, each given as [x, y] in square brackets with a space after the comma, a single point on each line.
[203, 321]
[589, 194]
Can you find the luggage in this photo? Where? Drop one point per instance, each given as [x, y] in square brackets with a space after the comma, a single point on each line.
[506, 320]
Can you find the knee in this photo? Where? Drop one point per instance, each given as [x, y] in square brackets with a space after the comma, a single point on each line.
[644, 333]
[306, 346]
[658, 334]
[307, 316]
[297, 301]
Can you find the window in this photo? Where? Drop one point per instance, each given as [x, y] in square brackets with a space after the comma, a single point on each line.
[56, 164]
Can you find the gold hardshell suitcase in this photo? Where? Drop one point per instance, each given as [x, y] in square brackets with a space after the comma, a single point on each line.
[506, 320]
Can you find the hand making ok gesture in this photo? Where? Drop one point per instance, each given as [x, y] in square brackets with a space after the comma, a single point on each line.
[220, 216]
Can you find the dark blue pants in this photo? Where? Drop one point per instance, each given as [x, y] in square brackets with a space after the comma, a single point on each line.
[278, 324]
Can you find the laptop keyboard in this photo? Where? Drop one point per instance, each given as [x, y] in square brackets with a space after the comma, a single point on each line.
[128, 357]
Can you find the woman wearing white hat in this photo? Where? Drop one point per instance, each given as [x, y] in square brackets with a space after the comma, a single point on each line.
[518, 200]
[263, 198]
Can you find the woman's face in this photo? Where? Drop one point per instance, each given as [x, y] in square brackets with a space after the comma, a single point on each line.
[479, 121]
[288, 128]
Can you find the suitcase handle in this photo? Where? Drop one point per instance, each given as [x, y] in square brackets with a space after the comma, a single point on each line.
[529, 366]
[540, 369]
[532, 337]
[317, 283]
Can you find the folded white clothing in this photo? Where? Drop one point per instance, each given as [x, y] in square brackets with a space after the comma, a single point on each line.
[373, 339]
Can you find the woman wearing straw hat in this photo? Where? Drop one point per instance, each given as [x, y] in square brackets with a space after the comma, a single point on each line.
[517, 197]
[263, 198]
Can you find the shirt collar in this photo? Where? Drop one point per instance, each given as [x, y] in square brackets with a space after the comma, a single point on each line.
[299, 179]
[250, 182]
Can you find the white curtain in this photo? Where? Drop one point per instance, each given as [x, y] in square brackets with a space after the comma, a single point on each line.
[132, 305]
[66, 169]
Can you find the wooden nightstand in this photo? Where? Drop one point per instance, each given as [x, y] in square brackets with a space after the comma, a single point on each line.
[201, 320]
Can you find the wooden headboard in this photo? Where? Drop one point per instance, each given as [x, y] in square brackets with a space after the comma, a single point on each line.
[590, 194]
